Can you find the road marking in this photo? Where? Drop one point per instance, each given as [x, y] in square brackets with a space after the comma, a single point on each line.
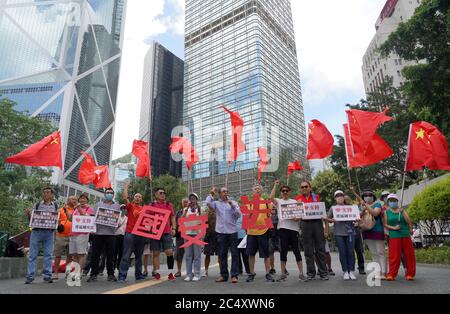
[147, 284]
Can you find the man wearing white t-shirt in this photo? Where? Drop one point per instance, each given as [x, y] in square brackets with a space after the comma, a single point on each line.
[289, 232]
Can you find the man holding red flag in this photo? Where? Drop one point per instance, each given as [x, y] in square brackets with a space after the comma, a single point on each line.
[45, 153]
[320, 141]
[427, 147]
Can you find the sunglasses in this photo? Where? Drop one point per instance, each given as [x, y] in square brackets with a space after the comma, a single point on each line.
[162, 193]
[285, 191]
[304, 187]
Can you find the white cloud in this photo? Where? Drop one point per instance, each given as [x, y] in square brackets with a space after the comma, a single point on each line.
[332, 37]
[144, 19]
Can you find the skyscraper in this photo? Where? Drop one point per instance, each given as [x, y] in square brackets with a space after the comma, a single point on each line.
[162, 106]
[74, 47]
[241, 54]
[375, 69]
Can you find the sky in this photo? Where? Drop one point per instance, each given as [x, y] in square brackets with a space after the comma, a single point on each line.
[331, 36]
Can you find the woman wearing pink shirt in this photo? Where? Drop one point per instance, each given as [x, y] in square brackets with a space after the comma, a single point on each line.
[78, 244]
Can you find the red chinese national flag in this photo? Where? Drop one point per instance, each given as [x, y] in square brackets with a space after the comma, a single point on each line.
[141, 152]
[181, 145]
[45, 153]
[263, 161]
[237, 145]
[294, 166]
[428, 147]
[101, 180]
[376, 151]
[86, 173]
[363, 126]
[91, 173]
[320, 141]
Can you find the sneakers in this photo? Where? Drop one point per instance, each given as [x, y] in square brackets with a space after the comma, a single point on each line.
[48, 280]
[282, 278]
[196, 278]
[156, 276]
[346, 276]
[171, 277]
[352, 276]
[145, 274]
[286, 272]
[29, 281]
[140, 278]
[122, 280]
[324, 278]
[331, 272]
[272, 271]
[92, 279]
[362, 272]
[269, 278]
[187, 279]
[112, 278]
[302, 278]
[250, 278]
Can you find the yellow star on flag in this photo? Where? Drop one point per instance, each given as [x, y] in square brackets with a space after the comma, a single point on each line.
[420, 134]
[55, 141]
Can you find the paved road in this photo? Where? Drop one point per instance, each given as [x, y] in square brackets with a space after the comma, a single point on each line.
[429, 280]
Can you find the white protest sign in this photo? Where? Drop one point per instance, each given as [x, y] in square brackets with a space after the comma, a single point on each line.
[313, 211]
[346, 213]
[291, 211]
[84, 224]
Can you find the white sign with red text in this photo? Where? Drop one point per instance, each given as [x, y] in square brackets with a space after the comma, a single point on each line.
[314, 211]
[346, 213]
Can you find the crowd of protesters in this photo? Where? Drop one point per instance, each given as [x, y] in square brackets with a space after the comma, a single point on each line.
[115, 247]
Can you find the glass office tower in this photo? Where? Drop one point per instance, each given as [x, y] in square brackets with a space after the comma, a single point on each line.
[162, 107]
[241, 54]
[74, 47]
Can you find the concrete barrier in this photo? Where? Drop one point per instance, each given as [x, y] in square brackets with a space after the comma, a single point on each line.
[16, 267]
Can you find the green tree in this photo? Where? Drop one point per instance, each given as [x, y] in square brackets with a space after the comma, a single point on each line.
[175, 188]
[425, 38]
[431, 207]
[327, 182]
[20, 187]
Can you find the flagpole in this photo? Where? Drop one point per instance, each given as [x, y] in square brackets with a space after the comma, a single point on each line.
[228, 172]
[240, 178]
[406, 165]
[357, 181]
[348, 160]
[191, 181]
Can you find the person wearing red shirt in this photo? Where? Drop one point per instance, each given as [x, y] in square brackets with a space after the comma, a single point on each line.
[132, 243]
[313, 236]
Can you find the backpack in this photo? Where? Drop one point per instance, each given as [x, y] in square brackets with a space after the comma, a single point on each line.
[367, 221]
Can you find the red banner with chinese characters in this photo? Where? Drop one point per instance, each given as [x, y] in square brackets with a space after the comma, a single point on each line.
[151, 223]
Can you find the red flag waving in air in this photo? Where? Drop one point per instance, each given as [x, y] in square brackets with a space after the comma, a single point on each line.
[367, 147]
[294, 166]
[320, 141]
[427, 147]
[237, 146]
[263, 161]
[377, 151]
[141, 152]
[45, 153]
[91, 173]
[181, 145]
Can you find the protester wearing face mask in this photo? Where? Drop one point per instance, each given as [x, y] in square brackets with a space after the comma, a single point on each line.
[104, 240]
[397, 221]
[344, 233]
[374, 238]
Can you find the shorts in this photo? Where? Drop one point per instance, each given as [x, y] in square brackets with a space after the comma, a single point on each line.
[166, 243]
[78, 244]
[61, 246]
[179, 253]
[212, 248]
[274, 241]
[258, 243]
